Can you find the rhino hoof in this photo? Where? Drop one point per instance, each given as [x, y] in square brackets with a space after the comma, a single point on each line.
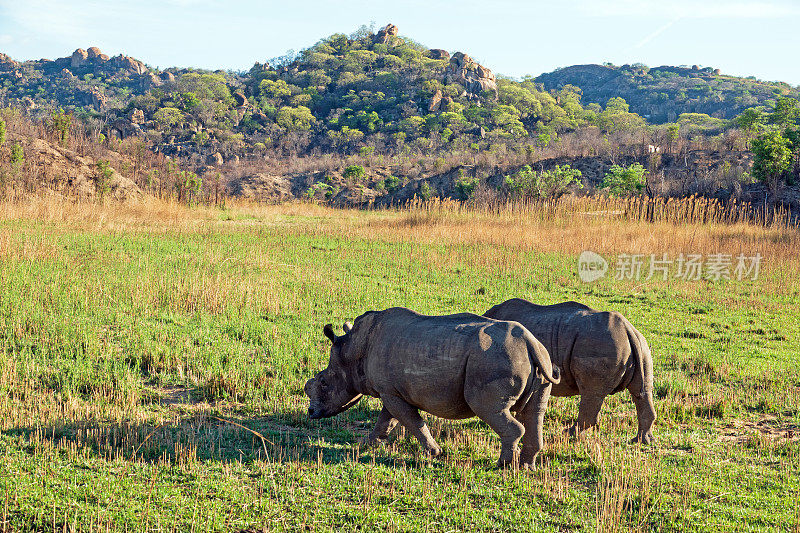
[434, 452]
[369, 442]
[646, 438]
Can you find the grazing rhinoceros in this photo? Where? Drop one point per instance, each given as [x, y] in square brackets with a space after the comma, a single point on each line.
[454, 367]
[599, 353]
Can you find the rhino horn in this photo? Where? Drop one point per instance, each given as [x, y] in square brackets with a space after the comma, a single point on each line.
[347, 327]
[328, 331]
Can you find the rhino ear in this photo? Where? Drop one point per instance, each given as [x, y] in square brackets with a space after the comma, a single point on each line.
[347, 327]
[328, 331]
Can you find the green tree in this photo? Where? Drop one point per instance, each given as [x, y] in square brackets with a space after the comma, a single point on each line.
[624, 180]
[17, 155]
[673, 134]
[392, 183]
[295, 118]
[750, 120]
[168, 117]
[465, 187]
[191, 102]
[102, 183]
[785, 112]
[192, 184]
[617, 105]
[425, 191]
[616, 117]
[206, 86]
[354, 173]
[544, 185]
[61, 123]
[772, 158]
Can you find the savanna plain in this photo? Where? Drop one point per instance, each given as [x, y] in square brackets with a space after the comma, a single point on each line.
[152, 359]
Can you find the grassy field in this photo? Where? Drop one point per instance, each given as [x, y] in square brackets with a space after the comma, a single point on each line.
[153, 358]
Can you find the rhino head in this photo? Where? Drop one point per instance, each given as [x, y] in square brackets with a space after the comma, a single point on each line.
[331, 390]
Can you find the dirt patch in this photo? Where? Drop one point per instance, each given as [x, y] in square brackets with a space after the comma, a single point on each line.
[768, 426]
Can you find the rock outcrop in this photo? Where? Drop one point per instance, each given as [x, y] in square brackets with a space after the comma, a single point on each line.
[6, 63]
[79, 58]
[438, 53]
[95, 53]
[71, 174]
[436, 99]
[130, 64]
[93, 97]
[136, 116]
[385, 33]
[151, 80]
[123, 128]
[262, 188]
[475, 78]
[240, 98]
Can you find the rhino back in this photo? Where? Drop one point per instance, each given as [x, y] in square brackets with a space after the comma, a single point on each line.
[425, 359]
[581, 341]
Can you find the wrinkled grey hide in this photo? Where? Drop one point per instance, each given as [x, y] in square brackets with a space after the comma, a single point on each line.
[454, 367]
[599, 353]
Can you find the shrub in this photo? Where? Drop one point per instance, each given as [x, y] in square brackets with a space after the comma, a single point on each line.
[17, 155]
[354, 173]
[544, 185]
[392, 183]
[465, 187]
[772, 158]
[425, 191]
[61, 125]
[621, 180]
[2, 131]
[102, 182]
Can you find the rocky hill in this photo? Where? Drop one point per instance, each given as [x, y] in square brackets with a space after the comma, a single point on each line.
[412, 119]
[364, 93]
[662, 94]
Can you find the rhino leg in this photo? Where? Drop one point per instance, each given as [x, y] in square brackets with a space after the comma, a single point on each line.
[408, 415]
[532, 418]
[510, 432]
[488, 405]
[588, 413]
[645, 412]
[384, 425]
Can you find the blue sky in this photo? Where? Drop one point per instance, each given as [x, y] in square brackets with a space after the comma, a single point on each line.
[513, 38]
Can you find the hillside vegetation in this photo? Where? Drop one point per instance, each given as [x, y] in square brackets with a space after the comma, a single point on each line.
[376, 117]
[662, 94]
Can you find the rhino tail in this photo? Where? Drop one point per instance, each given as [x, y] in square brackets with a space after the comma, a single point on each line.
[539, 354]
[644, 361]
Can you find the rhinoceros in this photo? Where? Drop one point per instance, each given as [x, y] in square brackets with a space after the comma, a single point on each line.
[599, 353]
[454, 367]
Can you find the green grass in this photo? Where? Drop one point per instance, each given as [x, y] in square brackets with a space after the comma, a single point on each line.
[127, 352]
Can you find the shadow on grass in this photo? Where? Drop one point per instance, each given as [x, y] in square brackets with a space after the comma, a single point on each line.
[208, 437]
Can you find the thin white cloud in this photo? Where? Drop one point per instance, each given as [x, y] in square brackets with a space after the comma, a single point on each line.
[690, 8]
[653, 35]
